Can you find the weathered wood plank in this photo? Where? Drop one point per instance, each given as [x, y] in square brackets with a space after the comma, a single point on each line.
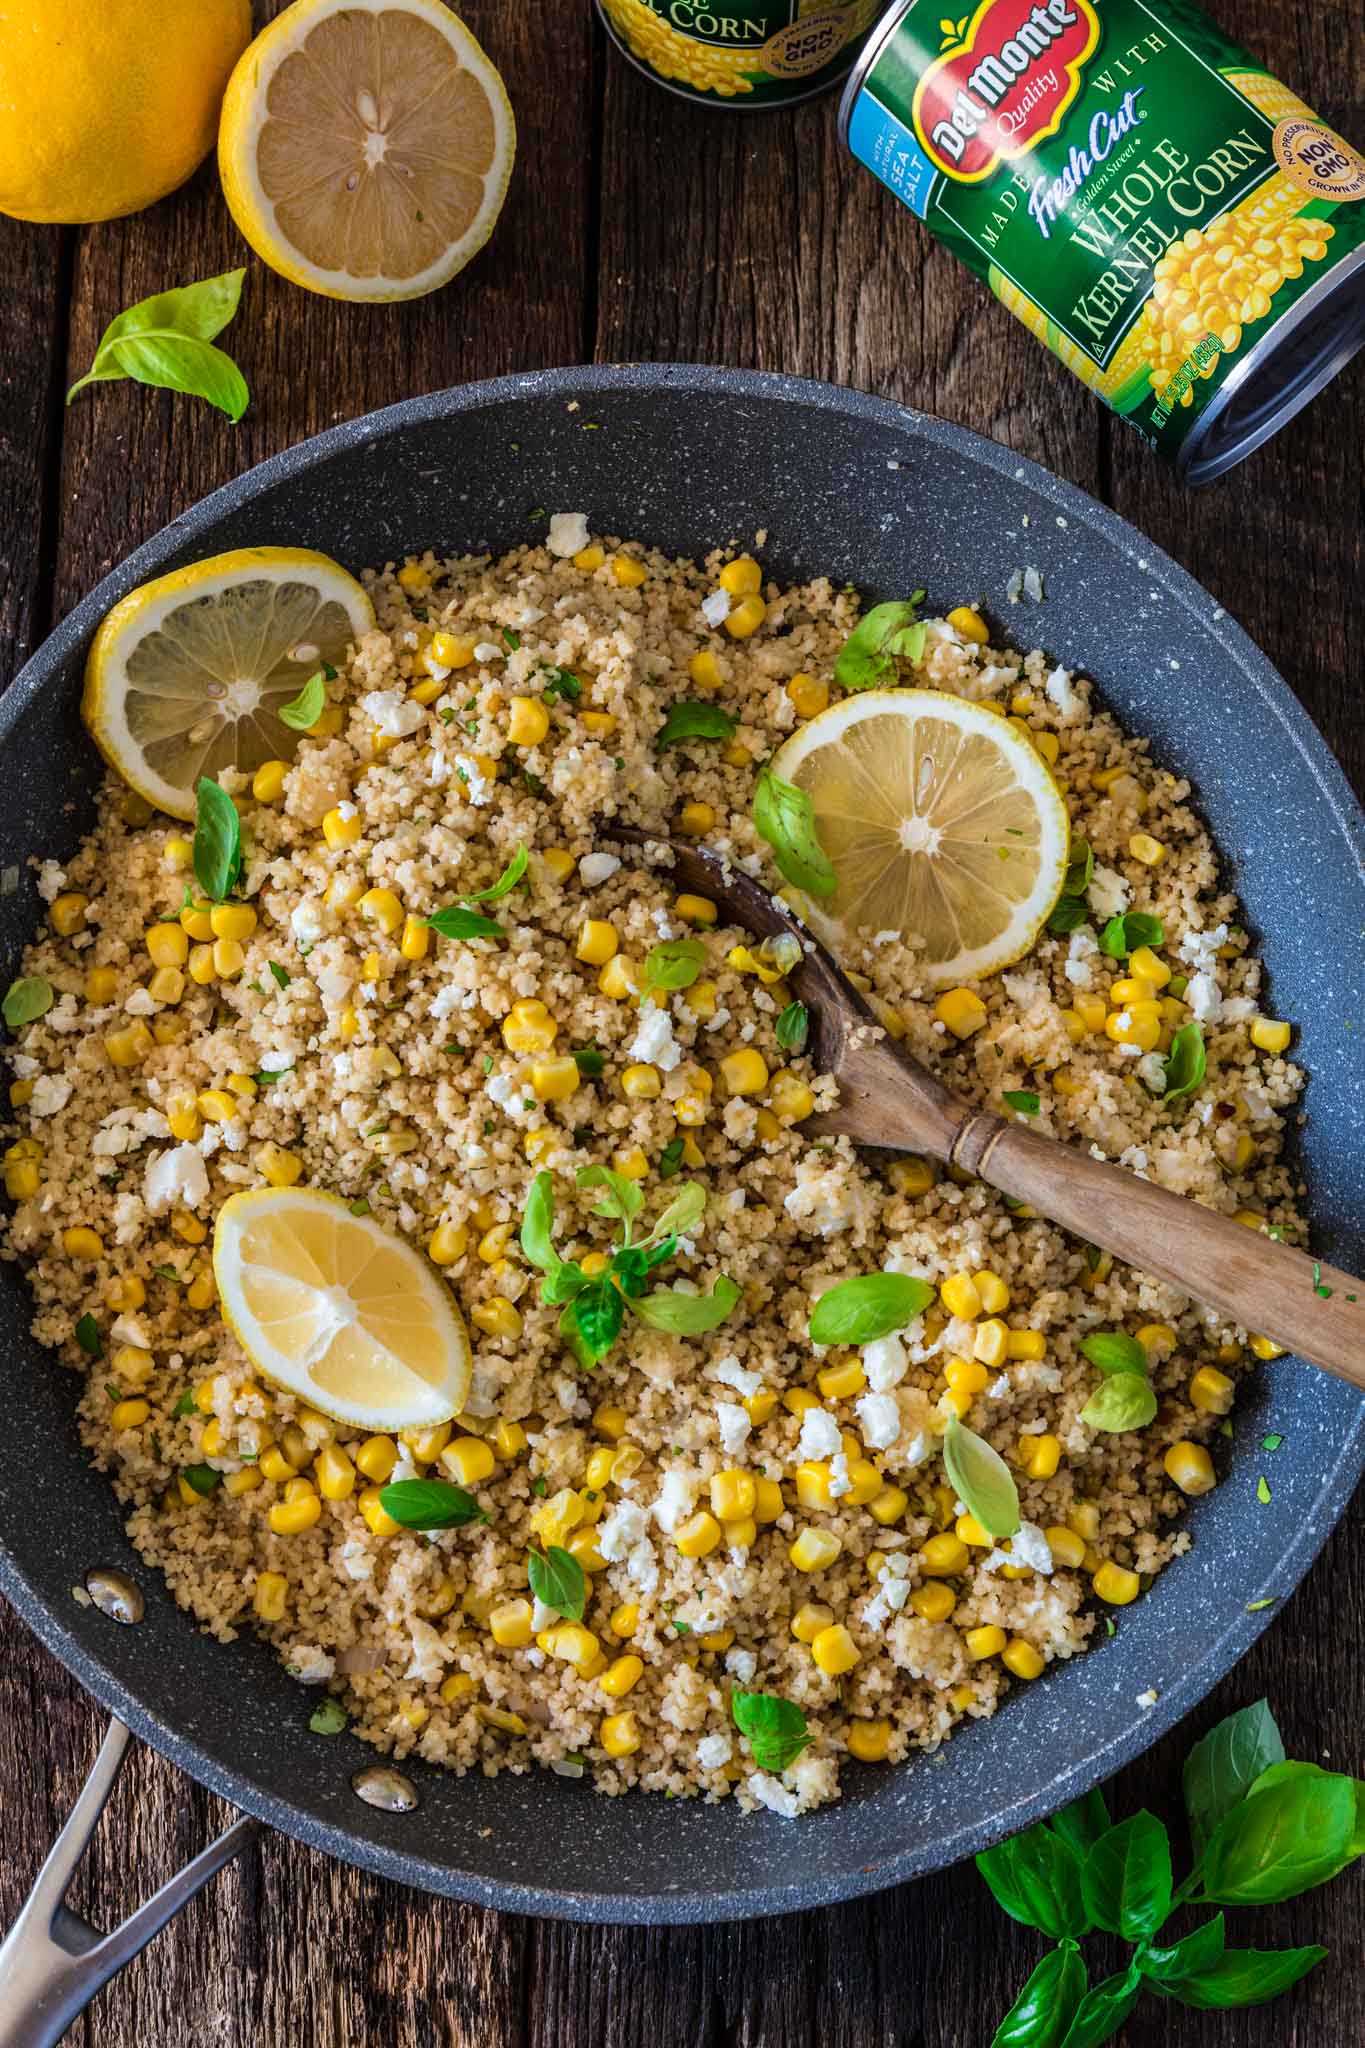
[35, 264]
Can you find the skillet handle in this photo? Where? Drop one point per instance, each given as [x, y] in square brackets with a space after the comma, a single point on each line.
[52, 1962]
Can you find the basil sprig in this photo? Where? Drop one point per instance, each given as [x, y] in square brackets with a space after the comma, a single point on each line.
[558, 1580]
[1186, 1062]
[307, 708]
[1131, 929]
[793, 1028]
[1124, 1398]
[1263, 1830]
[694, 721]
[217, 840]
[459, 920]
[595, 1307]
[167, 341]
[26, 1000]
[887, 633]
[785, 816]
[429, 1504]
[869, 1306]
[774, 1728]
[982, 1480]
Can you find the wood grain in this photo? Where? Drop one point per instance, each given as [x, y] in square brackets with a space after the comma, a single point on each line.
[726, 239]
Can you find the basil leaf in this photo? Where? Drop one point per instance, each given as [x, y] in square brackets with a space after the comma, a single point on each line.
[567, 1280]
[871, 1305]
[1083, 1821]
[596, 1314]
[1044, 2009]
[26, 1000]
[1067, 915]
[1131, 929]
[1282, 1841]
[870, 651]
[693, 721]
[1036, 1878]
[1024, 1100]
[1223, 1766]
[166, 341]
[328, 1718]
[785, 816]
[774, 1728]
[1126, 1879]
[793, 1028]
[632, 1265]
[671, 1159]
[1123, 1401]
[685, 1210]
[622, 1198]
[1187, 1958]
[1114, 1351]
[558, 1580]
[202, 1478]
[982, 1481]
[688, 1315]
[675, 964]
[429, 1504]
[1103, 2011]
[1244, 1976]
[1186, 1062]
[455, 922]
[537, 1225]
[1080, 868]
[307, 708]
[88, 1336]
[217, 840]
[506, 882]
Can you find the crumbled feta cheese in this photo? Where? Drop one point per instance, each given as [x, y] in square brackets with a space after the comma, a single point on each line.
[715, 609]
[488, 650]
[541, 1615]
[568, 533]
[820, 1435]
[773, 1794]
[476, 785]
[839, 1481]
[1081, 955]
[731, 1373]
[675, 1497]
[51, 881]
[734, 1425]
[1201, 948]
[880, 1418]
[654, 1042]
[619, 1531]
[1148, 1698]
[175, 1179]
[346, 810]
[597, 867]
[1151, 1071]
[140, 1002]
[713, 1751]
[825, 1199]
[309, 1663]
[130, 1217]
[394, 714]
[885, 1362]
[741, 1664]
[1204, 997]
[1108, 892]
[51, 1092]
[510, 1095]
[1060, 693]
[127, 1329]
[642, 1566]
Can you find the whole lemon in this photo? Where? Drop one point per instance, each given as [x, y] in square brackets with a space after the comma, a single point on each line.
[107, 105]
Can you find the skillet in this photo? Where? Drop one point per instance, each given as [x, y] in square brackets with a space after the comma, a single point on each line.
[866, 491]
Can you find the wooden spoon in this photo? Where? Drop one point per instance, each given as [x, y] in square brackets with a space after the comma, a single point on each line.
[887, 1099]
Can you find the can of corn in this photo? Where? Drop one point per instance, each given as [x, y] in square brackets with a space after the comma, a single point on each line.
[1158, 210]
[741, 53]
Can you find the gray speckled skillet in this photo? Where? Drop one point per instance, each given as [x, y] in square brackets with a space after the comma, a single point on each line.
[861, 490]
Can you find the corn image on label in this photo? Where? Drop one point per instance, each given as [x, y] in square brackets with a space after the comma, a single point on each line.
[1133, 187]
[754, 53]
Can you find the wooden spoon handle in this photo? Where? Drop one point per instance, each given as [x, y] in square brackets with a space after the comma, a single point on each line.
[1311, 1308]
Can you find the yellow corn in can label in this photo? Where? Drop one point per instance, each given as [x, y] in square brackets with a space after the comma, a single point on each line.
[1167, 218]
[741, 53]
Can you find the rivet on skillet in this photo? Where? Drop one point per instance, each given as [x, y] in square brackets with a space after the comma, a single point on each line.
[115, 1594]
[387, 1789]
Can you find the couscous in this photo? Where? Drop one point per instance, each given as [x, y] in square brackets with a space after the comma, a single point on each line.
[771, 1579]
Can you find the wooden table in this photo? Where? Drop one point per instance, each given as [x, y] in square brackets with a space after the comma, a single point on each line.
[638, 227]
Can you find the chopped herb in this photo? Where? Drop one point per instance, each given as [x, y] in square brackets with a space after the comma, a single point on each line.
[307, 708]
[1318, 1287]
[447, 714]
[793, 1028]
[1110, 1625]
[360, 1207]
[1257, 1606]
[1125, 933]
[540, 1487]
[675, 964]
[510, 640]
[1025, 1100]
[534, 785]
[26, 1000]
[280, 974]
[264, 1077]
[1271, 1442]
[682, 1628]
[1186, 1062]
[563, 683]
[506, 882]
[329, 1718]
[186, 1405]
[671, 1159]
[785, 816]
[88, 1336]
[202, 1478]
[1263, 1490]
[168, 1273]
[167, 341]
[488, 1063]
[589, 1062]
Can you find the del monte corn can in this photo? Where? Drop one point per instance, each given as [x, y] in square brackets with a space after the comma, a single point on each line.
[1157, 209]
[741, 53]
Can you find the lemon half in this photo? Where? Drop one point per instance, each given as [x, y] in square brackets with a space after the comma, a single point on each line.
[187, 674]
[365, 146]
[338, 1310]
[942, 824]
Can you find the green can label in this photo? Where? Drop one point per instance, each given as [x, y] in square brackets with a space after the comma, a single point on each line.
[743, 52]
[1131, 185]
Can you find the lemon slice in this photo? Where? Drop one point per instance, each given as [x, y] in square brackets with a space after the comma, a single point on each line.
[365, 146]
[338, 1310]
[187, 674]
[942, 824]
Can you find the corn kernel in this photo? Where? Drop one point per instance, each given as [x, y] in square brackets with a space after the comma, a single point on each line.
[1265, 1347]
[497, 1317]
[413, 578]
[698, 1535]
[703, 670]
[696, 820]
[934, 1601]
[745, 1072]
[695, 910]
[632, 1161]
[271, 1593]
[528, 721]
[619, 1676]
[984, 1642]
[380, 1521]
[768, 1501]
[943, 1557]
[1022, 1659]
[1040, 1455]
[1190, 1467]
[814, 1550]
[620, 978]
[968, 624]
[809, 696]
[293, 1517]
[834, 1651]
[528, 1027]
[82, 1243]
[129, 1047]
[555, 1080]
[961, 1011]
[624, 1621]
[232, 921]
[1212, 1391]
[869, 1741]
[66, 913]
[991, 1340]
[335, 1473]
[1269, 1036]
[629, 573]
[129, 1414]
[591, 557]
[620, 1733]
[812, 1480]
[746, 617]
[888, 1504]
[1149, 851]
[509, 1624]
[960, 1297]
[381, 907]
[376, 1458]
[447, 1243]
[733, 1495]
[576, 1645]
[742, 577]
[469, 1460]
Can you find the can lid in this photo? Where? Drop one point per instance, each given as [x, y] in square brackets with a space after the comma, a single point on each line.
[1288, 367]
